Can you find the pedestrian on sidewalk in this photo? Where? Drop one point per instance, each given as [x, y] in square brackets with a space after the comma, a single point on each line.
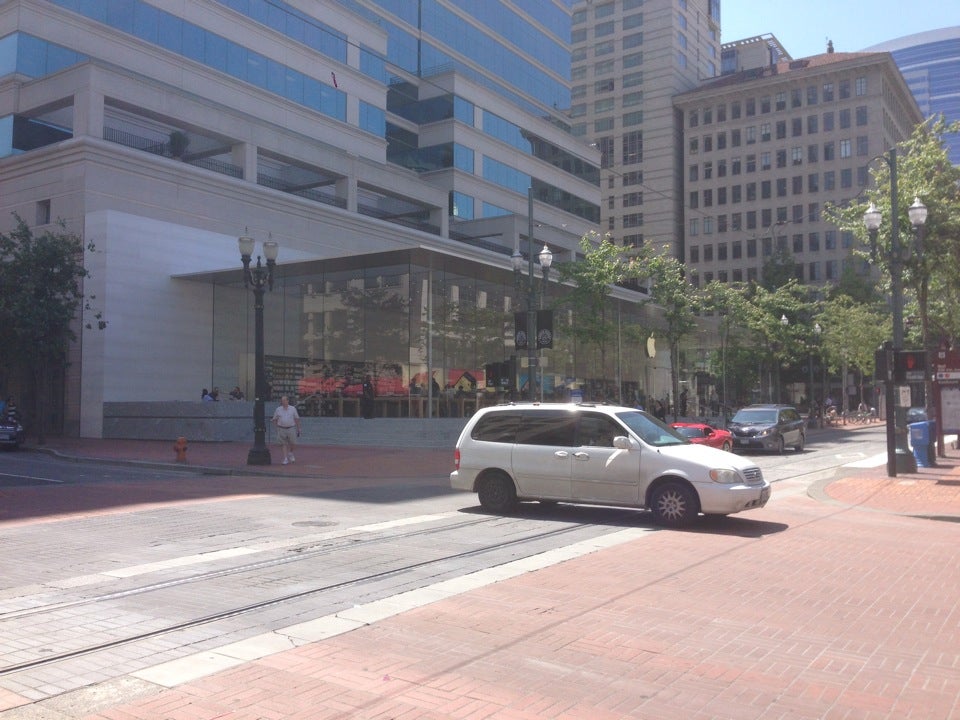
[287, 420]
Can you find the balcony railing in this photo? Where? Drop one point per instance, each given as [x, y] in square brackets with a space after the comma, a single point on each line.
[161, 147]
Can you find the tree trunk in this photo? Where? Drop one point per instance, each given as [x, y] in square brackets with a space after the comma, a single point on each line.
[40, 399]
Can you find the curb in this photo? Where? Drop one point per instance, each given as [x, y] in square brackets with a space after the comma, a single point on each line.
[147, 464]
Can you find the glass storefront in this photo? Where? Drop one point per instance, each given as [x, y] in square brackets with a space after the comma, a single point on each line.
[328, 324]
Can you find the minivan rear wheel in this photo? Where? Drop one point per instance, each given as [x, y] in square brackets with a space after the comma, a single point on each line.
[674, 504]
[497, 493]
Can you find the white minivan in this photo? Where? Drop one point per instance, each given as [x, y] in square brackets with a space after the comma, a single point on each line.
[602, 455]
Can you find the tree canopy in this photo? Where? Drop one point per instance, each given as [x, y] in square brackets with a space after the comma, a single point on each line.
[42, 280]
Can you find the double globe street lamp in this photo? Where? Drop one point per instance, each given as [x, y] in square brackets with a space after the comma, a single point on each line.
[897, 458]
[260, 278]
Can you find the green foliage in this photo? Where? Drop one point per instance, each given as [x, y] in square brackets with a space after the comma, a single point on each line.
[670, 290]
[42, 280]
[592, 277]
[779, 269]
[851, 333]
[931, 276]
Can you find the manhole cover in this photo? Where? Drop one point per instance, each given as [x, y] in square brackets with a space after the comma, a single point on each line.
[314, 523]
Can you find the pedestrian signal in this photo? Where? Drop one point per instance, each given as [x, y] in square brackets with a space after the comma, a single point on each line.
[910, 365]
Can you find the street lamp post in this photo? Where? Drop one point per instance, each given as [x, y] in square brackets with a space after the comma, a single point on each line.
[810, 401]
[897, 457]
[259, 277]
[784, 322]
[546, 260]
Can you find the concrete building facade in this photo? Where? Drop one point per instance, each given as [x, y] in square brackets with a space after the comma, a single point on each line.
[630, 58]
[766, 148]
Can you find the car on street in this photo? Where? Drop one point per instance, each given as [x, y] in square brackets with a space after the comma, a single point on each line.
[601, 455]
[704, 434]
[11, 432]
[768, 427]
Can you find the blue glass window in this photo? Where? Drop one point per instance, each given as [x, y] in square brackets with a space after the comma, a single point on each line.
[463, 157]
[191, 41]
[373, 119]
[462, 206]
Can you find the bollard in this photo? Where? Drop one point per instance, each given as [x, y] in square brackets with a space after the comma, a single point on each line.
[180, 447]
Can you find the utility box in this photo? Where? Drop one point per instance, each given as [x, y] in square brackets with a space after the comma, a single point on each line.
[922, 436]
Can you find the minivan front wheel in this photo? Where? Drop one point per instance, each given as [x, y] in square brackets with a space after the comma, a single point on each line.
[674, 504]
[497, 493]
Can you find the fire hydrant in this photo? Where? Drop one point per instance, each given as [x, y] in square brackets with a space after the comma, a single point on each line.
[180, 447]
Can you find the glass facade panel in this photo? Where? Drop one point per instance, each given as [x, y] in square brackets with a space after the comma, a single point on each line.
[327, 325]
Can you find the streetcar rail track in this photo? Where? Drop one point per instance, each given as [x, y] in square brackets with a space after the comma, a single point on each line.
[56, 657]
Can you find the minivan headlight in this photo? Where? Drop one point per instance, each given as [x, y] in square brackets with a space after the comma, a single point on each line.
[725, 476]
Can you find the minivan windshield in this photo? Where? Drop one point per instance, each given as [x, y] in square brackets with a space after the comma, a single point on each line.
[755, 416]
[650, 430]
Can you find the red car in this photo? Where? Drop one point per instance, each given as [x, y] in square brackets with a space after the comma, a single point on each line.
[704, 434]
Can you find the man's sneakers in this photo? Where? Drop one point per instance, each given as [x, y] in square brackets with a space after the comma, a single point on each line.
[285, 461]
[292, 458]
[289, 459]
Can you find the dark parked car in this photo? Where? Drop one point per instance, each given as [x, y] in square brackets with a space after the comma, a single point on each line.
[11, 432]
[767, 427]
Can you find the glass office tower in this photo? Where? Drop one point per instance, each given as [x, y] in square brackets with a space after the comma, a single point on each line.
[930, 63]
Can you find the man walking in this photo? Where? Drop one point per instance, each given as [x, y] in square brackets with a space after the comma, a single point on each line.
[287, 420]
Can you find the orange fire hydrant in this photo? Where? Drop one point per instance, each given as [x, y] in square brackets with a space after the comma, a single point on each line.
[180, 447]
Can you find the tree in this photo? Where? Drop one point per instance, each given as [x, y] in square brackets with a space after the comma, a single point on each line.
[780, 320]
[924, 172]
[851, 334]
[592, 277]
[778, 269]
[42, 277]
[727, 302]
[680, 301]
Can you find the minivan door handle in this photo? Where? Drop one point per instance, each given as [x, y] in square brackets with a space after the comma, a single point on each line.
[561, 454]
[580, 455]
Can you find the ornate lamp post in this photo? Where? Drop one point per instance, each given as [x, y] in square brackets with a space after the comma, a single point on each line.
[897, 458]
[258, 277]
[530, 337]
[546, 260]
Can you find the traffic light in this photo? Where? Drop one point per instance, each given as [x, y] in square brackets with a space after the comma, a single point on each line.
[883, 358]
[909, 365]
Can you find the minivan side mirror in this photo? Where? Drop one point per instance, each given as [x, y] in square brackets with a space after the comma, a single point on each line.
[622, 442]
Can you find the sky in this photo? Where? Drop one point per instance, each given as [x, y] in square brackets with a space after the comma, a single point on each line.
[803, 26]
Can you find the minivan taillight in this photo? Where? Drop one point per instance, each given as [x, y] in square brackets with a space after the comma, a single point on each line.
[456, 459]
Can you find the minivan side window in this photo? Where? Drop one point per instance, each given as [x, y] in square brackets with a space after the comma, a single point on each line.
[497, 427]
[597, 431]
[547, 427]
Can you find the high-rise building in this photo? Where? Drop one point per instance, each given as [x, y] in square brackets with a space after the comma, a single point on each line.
[630, 57]
[766, 148]
[930, 63]
[389, 152]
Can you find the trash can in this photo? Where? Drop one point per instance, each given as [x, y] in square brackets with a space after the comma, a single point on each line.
[921, 438]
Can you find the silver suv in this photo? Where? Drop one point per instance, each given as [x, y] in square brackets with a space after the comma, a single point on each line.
[602, 455]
